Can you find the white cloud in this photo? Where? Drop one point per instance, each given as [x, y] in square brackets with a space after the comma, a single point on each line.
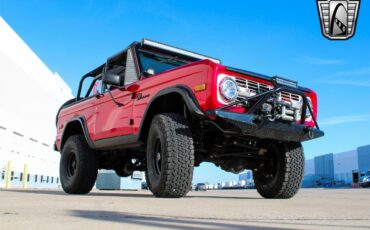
[319, 61]
[344, 119]
[355, 72]
[347, 82]
[355, 77]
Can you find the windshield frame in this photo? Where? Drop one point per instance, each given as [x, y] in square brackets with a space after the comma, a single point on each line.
[166, 60]
[139, 47]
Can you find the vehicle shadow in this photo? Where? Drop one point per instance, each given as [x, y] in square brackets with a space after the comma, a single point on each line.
[62, 193]
[161, 221]
[225, 197]
[186, 223]
[119, 193]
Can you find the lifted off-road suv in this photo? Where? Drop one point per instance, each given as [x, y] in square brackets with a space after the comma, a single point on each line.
[163, 110]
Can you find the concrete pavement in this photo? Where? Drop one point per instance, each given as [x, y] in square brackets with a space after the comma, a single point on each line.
[221, 209]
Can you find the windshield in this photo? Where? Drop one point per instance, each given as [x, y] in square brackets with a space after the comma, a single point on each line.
[158, 62]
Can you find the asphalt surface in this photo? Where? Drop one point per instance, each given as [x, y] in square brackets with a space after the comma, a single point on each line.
[223, 209]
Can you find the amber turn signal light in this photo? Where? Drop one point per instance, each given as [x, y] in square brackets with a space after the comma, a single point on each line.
[200, 87]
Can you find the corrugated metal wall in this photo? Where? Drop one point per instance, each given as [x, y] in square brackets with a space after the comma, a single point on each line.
[344, 164]
[364, 158]
[324, 166]
[336, 167]
[309, 167]
[108, 179]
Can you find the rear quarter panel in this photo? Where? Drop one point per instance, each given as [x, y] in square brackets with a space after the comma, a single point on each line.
[85, 108]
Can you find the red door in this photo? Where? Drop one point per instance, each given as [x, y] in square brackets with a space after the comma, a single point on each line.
[113, 120]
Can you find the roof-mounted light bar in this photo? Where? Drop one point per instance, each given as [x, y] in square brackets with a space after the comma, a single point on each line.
[146, 42]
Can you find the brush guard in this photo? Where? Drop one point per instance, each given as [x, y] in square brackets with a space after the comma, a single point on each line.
[250, 124]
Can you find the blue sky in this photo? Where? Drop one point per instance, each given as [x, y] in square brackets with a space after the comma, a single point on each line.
[270, 37]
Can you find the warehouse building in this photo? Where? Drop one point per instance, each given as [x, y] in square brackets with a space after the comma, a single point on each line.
[109, 180]
[338, 169]
[30, 98]
[246, 179]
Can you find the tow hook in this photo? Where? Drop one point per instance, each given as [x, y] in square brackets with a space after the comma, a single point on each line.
[309, 131]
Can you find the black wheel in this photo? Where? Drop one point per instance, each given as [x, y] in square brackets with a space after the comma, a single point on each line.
[78, 166]
[281, 176]
[170, 156]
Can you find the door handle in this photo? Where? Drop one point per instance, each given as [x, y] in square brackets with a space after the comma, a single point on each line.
[98, 96]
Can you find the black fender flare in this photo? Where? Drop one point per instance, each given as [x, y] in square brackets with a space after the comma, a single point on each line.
[82, 122]
[186, 94]
[64, 105]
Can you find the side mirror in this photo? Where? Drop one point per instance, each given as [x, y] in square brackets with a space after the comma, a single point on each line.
[112, 79]
[149, 72]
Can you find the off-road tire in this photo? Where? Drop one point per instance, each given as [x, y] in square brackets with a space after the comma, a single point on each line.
[81, 179]
[171, 177]
[289, 162]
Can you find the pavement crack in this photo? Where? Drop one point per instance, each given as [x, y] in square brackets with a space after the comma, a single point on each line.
[10, 213]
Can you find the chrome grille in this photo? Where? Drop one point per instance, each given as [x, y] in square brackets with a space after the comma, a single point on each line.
[252, 86]
[290, 97]
[249, 88]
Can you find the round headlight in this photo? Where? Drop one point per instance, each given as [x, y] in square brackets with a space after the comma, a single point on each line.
[229, 89]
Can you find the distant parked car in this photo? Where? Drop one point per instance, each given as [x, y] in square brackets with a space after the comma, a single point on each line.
[201, 187]
[144, 185]
[365, 180]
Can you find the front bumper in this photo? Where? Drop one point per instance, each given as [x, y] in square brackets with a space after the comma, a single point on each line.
[250, 125]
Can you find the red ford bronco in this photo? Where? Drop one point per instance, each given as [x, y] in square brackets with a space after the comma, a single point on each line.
[163, 110]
